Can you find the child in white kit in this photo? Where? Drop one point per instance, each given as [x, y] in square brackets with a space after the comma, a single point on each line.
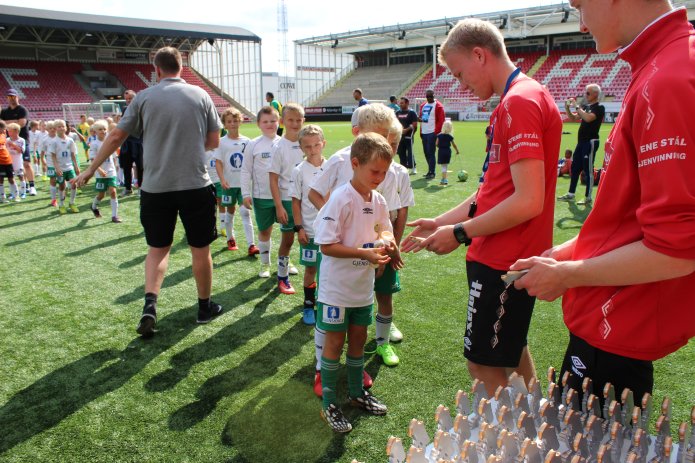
[105, 176]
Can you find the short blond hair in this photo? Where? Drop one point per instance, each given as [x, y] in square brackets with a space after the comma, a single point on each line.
[296, 107]
[231, 112]
[13, 126]
[447, 127]
[267, 110]
[376, 116]
[100, 124]
[58, 122]
[34, 124]
[470, 33]
[370, 146]
[90, 120]
[308, 130]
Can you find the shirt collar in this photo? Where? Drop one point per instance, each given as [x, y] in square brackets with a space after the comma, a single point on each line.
[654, 36]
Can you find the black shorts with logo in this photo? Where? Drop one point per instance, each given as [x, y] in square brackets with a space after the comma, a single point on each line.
[583, 360]
[158, 212]
[485, 287]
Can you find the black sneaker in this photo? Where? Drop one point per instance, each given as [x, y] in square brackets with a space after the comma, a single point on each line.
[369, 403]
[205, 315]
[333, 415]
[147, 321]
[95, 211]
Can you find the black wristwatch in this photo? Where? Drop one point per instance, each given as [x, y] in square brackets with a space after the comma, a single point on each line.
[298, 227]
[460, 234]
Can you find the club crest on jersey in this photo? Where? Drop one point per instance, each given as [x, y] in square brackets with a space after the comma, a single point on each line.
[328, 219]
[367, 210]
[333, 315]
[236, 160]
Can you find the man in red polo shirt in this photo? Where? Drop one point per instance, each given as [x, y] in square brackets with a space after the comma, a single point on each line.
[627, 278]
[511, 215]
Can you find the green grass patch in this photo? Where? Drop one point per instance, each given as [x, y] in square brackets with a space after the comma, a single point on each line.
[79, 385]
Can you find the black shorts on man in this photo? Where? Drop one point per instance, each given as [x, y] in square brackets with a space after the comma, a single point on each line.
[158, 213]
[483, 321]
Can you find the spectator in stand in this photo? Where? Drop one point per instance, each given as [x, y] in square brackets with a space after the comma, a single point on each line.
[432, 119]
[408, 119]
[357, 95]
[131, 153]
[627, 279]
[18, 114]
[590, 117]
[270, 98]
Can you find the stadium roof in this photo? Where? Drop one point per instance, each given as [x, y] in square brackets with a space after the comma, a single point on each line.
[32, 26]
[514, 24]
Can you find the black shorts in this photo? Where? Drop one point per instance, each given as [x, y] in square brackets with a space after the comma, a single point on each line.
[6, 170]
[484, 290]
[583, 360]
[196, 208]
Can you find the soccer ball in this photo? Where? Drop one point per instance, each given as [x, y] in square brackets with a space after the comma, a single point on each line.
[463, 175]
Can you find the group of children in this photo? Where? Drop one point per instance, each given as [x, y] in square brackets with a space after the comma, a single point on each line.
[348, 214]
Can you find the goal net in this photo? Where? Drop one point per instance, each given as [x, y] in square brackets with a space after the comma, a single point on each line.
[468, 108]
[96, 110]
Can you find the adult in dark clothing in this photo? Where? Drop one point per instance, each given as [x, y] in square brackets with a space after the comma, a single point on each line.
[131, 152]
[408, 119]
[18, 114]
[590, 117]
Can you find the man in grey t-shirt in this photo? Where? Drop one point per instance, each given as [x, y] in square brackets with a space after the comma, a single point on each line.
[178, 123]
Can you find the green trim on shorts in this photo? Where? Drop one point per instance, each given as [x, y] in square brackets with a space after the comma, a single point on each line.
[309, 255]
[230, 197]
[333, 318]
[389, 282]
[67, 175]
[218, 189]
[290, 217]
[264, 211]
[103, 183]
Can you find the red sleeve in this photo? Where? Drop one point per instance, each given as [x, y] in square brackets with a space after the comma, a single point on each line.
[666, 164]
[439, 117]
[522, 123]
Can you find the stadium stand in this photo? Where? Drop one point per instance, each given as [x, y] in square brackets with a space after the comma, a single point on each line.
[378, 83]
[47, 85]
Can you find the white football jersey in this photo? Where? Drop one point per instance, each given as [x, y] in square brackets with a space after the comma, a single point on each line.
[286, 156]
[109, 165]
[210, 166]
[302, 177]
[254, 171]
[44, 147]
[231, 153]
[63, 149]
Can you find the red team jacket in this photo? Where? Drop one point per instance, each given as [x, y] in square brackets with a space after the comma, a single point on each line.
[439, 116]
[647, 194]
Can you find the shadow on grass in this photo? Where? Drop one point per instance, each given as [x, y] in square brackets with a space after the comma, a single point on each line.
[577, 219]
[228, 338]
[419, 183]
[22, 211]
[66, 390]
[81, 225]
[252, 370]
[102, 245]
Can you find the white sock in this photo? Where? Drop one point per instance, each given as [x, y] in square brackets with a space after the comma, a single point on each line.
[383, 327]
[53, 193]
[264, 247]
[444, 168]
[95, 202]
[114, 207]
[229, 224]
[73, 195]
[14, 190]
[24, 187]
[283, 266]
[120, 175]
[248, 226]
[319, 338]
[223, 215]
[61, 198]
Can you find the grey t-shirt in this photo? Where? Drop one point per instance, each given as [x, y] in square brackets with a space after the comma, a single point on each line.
[173, 118]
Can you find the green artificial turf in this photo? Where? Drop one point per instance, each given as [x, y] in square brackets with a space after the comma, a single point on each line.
[78, 385]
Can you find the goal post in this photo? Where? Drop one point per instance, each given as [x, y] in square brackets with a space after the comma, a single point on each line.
[96, 110]
[463, 108]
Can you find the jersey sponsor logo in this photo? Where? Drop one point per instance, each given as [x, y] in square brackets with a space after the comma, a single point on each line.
[309, 255]
[333, 315]
[368, 211]
[265, 155]
[473, 295]
[577, 365]
[236, 160]
[328, 219]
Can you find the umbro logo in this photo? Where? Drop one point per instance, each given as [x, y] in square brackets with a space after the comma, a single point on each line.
[330, 219]
[577, 362]
[367, 210]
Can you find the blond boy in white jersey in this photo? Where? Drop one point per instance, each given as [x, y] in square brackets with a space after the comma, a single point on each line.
[15, 145]
[349, 229]
[47, 159]
[286, 156]
[312, 143]
[63, 153]
[255, 185]
[105, 176]
[229, 158]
